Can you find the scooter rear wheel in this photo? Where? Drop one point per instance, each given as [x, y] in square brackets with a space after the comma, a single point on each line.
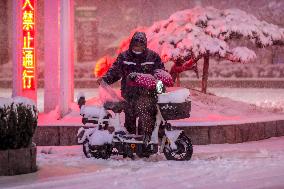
[183, 152]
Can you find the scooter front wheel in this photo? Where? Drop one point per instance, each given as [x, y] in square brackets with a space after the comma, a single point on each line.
[183, 152]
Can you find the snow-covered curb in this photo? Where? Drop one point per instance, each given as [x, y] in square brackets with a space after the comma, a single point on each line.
[230, 133]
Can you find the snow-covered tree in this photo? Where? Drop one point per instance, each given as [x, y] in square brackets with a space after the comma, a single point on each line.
[200, 32]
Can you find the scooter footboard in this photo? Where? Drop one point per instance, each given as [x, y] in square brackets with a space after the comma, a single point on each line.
[129, 148]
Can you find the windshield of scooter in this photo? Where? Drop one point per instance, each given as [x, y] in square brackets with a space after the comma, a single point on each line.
[108, 94]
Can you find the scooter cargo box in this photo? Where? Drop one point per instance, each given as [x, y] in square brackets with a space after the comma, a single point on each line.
[175, 103]
[173, 111]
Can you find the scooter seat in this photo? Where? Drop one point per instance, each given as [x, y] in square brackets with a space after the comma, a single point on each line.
[131, 137]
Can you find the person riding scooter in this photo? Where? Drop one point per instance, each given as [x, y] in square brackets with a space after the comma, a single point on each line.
[140, 101]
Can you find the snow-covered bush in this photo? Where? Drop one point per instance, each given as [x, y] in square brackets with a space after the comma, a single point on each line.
[18, 121]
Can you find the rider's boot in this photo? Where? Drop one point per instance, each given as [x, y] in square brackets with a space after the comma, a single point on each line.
[146, 139]
[145, 149]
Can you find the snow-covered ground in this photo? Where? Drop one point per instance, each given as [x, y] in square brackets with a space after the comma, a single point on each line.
[251, 165]
[266, 98]
[254, 165]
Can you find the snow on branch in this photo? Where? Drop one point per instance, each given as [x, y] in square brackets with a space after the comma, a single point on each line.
[241, 54]
[232, 23]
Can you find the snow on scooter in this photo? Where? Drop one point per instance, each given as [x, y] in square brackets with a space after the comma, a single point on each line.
[108, 137]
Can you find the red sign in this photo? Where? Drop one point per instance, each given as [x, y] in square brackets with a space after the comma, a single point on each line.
[28, 56]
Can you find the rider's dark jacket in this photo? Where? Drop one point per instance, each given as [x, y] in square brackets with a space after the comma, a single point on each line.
[128, 62]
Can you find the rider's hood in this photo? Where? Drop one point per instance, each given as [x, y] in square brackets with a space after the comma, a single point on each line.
[138, 37]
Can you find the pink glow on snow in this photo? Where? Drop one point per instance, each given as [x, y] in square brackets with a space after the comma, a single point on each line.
[213, 118]
[207, 110]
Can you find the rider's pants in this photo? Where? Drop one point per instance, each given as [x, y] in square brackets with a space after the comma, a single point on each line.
[145, 109]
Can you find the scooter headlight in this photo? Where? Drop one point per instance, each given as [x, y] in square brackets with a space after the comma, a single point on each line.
[159, 87]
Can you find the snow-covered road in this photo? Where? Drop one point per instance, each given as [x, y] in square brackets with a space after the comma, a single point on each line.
[248, 165]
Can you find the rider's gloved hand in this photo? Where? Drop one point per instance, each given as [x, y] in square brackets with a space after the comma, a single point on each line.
[132, 76]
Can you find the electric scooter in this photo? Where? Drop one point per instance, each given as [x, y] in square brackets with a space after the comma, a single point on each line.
[104, 136]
